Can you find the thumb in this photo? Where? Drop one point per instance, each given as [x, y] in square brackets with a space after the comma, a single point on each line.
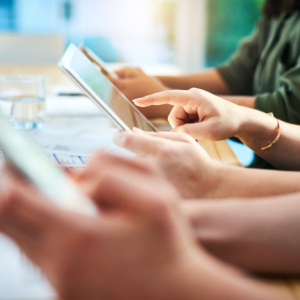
[198, 131]
[118, 83]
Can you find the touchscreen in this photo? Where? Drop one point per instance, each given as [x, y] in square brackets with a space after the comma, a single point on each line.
[126, 111]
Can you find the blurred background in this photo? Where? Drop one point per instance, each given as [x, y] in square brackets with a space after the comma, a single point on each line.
[189, 33]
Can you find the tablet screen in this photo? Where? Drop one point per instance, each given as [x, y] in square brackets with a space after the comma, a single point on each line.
[106, 91]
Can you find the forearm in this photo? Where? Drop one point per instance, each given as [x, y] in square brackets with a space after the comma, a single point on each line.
[258, 235]
[258, 130]
[209, 80]
[247, 101]
[216, 280]
[241, 182]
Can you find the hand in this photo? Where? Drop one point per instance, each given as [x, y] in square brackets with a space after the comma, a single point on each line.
[134, 83]
[140, 246]
[185, 163]
[200, 114]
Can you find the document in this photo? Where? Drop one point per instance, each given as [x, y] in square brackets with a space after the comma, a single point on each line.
[69, 161]
[69, 106]
[81, 136]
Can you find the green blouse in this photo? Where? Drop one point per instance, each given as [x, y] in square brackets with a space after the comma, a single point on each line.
[267, 65]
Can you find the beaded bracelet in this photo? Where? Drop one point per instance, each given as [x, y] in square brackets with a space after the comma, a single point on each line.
[277, 137]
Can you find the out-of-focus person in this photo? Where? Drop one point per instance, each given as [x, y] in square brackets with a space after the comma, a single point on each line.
[141, 245]
[263, 74]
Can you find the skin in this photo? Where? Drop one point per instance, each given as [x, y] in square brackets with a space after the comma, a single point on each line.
[134, 83]
[260, 235]
[206, 116]
[139, 247]
[195, 175]
[209, 80]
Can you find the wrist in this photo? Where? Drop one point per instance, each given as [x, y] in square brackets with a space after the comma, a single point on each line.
[257, 129]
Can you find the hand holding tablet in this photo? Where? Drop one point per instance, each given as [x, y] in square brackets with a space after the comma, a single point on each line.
[102, 92]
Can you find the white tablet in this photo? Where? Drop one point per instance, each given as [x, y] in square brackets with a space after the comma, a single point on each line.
[29, 160]
[102, 92]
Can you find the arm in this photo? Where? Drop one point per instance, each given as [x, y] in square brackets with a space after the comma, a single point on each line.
[209, 80]
[247, 101]
[141, 246]
[260, 130]
[284, 102]
[260, 235]
[189, 168]
[234, 77]
[205, 116]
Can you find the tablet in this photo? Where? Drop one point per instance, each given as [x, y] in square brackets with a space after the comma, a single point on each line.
[97, 61]
[121, 111]
[29, 160]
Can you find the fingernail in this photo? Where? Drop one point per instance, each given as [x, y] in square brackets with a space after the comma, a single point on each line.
[119, 138]
[137, 99]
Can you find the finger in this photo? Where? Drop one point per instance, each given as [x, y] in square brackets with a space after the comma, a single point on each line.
[177, 98]
[121, 73]
[204, 130]
[98, 167]
[129, 72]
[32, 248]
[135, 192]
[24, 208]
[119, 83]
[173, 136]
[142, 145]
[178, 117]
[115, 172]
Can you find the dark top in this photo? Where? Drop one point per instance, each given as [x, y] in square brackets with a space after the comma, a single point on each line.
[267, 65]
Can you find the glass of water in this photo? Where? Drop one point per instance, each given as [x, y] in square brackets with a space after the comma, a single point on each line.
[22, 100]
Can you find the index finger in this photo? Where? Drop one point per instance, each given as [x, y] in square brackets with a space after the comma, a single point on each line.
[177, 98]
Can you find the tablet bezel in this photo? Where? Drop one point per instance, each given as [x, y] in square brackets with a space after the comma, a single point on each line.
[97, 60]
[65, 66]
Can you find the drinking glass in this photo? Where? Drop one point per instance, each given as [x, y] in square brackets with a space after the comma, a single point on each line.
[22, 100]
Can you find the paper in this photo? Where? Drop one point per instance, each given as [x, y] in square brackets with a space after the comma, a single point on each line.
[69, 161]
[77, 136]
[69, 106]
